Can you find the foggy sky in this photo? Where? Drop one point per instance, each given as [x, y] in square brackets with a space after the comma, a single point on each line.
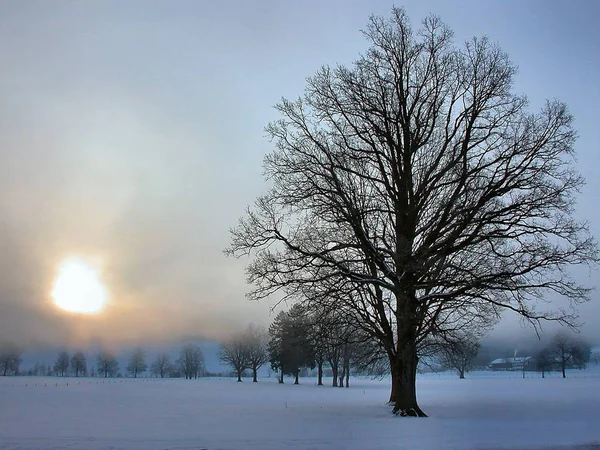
[131, 134]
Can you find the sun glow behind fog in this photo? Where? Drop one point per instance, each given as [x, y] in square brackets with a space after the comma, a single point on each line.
[78, 288]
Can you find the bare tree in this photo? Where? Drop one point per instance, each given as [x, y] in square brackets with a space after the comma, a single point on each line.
[161, 365]
[107, 364]
[191, 361]
[137, 362]
[235, 353]
[459, 355]
[61, 365]
[257, 340]
[569, 352]
[78, 364]
[545, 360]
[418, 176]
[320, 327]
[582, 353]
[10, 359]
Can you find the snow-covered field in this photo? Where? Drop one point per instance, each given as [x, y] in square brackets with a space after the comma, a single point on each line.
[485, 411]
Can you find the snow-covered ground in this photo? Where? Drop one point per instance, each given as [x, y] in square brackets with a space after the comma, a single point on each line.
[485, 411]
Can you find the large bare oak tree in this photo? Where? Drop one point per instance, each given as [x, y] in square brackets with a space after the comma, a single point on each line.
[421, 190]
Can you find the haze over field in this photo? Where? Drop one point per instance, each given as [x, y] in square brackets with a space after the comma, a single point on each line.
[132, 138]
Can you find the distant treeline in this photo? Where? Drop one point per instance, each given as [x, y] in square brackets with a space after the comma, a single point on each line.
[189, 364]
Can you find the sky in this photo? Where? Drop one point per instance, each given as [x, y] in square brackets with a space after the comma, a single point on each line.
[132, 137]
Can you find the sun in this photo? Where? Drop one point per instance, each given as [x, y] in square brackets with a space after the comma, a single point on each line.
[78, 288]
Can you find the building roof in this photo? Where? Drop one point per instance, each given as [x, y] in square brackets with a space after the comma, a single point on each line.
[518, 359]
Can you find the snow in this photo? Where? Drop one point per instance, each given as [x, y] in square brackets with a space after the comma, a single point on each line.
[488, 410]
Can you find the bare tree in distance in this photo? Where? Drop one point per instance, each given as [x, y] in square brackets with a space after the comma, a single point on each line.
[10, 359]
[191, 361]
[61, 365]
[107, 364]
[161, 365]
[235, 353]
[569, 351]
[320, 329]
[418, 174]
[257, 339]
[137, 363]
[78, 364]
[459, 355]
[545, 360]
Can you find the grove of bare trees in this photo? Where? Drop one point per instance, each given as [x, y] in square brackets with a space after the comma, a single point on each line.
[107, 364]
[78, 364]
[416, 193]
[10, 359]
[191, 361]
[246, 350]
[161, 365]
[61, 365]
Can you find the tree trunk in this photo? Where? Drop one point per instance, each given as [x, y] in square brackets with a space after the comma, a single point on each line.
[320, 374]
[347, 371]
[281, 378]
[461, 373]
[254, 371]
[296, 380]
[239, 375]
[334, 371]
[563, 370]
[393, 373]
[348, 378]
[406, 381]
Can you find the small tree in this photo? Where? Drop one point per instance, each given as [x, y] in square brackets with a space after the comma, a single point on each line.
[61, 366]
[107, 364]
[10, 359]
[459, 355]
[235, 353]
[569, 352]
[137, 362]
[544, 361]
[257, 339]
[582, 353]
[79, 364]
[161, 365]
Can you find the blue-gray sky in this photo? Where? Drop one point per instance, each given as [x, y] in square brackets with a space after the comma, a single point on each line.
[131, 134]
